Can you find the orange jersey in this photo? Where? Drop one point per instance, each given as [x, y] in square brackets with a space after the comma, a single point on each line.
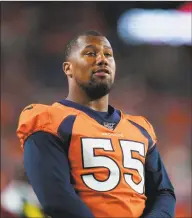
[107, 165]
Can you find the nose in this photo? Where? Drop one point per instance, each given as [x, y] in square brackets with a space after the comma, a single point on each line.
[101, 60]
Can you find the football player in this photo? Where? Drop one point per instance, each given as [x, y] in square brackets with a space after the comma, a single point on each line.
[85, 158]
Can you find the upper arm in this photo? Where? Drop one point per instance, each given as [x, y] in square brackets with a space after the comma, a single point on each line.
[156, 175]
[48, 170]
[47, 167]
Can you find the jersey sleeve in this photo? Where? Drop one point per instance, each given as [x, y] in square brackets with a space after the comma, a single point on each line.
[145, 127]
[38, 117]
[151, 131]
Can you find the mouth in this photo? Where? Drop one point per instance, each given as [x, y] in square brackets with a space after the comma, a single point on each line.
[101, 72]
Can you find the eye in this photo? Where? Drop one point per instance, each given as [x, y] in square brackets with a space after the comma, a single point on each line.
[91, 53]
[108, 54]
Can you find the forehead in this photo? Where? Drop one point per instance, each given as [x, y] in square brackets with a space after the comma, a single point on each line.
[97, 41]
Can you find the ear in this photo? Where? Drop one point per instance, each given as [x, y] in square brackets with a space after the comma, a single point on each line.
[67, 68]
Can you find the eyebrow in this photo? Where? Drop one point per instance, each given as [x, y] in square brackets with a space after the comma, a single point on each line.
[92, 46]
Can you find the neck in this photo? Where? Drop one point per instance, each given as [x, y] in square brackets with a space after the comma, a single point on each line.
[80, 97]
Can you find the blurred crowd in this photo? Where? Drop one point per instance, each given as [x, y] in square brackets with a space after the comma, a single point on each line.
[152, 81]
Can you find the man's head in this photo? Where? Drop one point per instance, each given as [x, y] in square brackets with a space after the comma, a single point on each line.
[89, 64]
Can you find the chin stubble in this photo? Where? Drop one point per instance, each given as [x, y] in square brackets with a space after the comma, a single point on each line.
[96, 90]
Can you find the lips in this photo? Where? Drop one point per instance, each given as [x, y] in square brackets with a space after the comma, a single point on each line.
[101, 71]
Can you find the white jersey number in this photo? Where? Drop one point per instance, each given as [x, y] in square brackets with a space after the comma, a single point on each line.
[90, 160]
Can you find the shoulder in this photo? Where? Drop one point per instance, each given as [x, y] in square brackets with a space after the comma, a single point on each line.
[40, 117]
[144, 124]
[142, 121]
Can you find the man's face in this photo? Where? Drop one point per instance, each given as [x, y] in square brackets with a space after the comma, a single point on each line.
[92, 65]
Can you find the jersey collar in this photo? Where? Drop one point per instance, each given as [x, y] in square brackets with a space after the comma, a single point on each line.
[109, 120]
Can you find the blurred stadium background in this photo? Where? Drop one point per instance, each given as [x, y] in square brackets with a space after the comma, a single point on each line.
[152, 43]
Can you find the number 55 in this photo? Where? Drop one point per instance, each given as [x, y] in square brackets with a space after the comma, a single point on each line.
[90, 160]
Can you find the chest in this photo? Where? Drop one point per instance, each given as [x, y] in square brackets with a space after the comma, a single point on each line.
[101, 158]
[90, 138]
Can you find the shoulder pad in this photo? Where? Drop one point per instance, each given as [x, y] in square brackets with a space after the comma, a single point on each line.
[142, 121]
[39, 117]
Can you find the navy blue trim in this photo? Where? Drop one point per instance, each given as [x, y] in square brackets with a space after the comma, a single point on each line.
[145, 133]
[114, 116]
[65, 131]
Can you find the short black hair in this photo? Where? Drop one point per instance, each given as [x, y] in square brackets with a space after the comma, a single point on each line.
[69, 46]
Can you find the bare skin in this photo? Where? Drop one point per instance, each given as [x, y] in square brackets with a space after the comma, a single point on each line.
[90, 70]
